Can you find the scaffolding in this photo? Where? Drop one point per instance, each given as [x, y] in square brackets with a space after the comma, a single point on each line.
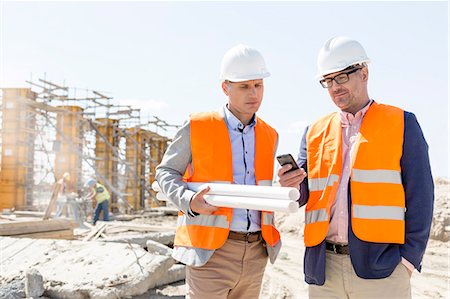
[47, 130]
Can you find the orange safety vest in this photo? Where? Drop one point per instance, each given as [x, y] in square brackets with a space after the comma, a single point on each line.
[378, 198]
[212, 162]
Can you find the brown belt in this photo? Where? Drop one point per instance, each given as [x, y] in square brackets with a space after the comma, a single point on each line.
[247, 237]
[336, 248]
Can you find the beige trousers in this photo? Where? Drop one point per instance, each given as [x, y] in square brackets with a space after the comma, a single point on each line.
[234, 271]
[342, 282]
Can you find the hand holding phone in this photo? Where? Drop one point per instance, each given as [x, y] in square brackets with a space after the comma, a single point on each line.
[288, 179]
[287, 159]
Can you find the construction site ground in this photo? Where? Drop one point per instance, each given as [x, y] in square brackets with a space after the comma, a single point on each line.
[108, 269]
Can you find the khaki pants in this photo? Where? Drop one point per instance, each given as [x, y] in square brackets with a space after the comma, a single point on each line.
[341, 281]
[234, 271]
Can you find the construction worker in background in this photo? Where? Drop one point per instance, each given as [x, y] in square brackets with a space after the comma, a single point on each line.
[369, 192]
[61, 187]
[101, 195]
[225, 249]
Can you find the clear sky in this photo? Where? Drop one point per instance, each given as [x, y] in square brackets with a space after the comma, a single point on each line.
[164, 57]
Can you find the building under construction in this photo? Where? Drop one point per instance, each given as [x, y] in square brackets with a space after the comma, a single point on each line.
[46, 131]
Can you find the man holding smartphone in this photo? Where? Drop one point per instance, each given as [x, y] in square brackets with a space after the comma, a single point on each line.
[225, 249]
[369, 193]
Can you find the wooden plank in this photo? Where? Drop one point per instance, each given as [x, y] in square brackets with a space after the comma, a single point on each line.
[87, 224]
[15, 218]
[35, 226]
[66, 234]
[56, 190]
[29, 213]
[81, 231]
[94, 231]
[100, 232]
[7, 218]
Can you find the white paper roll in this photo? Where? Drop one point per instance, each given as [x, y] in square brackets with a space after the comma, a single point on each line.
[287, 193]
[161, 196]
[252, 203]
[155, 186]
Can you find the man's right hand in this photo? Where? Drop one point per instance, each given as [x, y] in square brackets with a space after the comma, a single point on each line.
[199, 205]
[291, 178]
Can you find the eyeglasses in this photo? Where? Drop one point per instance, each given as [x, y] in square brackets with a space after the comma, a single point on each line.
[339, 79]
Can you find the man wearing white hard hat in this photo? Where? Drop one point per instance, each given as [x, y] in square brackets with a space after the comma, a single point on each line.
[225, 249]
[369, 192]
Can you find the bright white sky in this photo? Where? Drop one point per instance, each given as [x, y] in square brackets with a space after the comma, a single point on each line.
[164, 57]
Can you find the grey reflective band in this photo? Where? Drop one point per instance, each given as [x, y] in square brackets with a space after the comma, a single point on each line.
[321, 183]
[316, 216]
[376, 176]
[264, 183]
[378, 212]
[219, 221]
[267, 219]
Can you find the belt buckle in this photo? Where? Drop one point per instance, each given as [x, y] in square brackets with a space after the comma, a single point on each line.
[334, 248]
[247, 235]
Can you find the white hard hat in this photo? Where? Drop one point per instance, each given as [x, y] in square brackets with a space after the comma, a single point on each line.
[242, 63]
[90, 183]
[339, 53]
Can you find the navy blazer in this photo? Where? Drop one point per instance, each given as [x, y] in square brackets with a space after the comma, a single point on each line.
[378, 260]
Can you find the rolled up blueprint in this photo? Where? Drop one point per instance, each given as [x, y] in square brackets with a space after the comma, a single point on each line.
[155, 186]
[244, 202]
[288, 193]
[252, 203]
[161, 196]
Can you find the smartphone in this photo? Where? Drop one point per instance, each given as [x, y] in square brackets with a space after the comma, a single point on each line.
[287, 159]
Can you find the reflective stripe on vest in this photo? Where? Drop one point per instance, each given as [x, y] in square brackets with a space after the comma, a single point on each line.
[212, 162]
[378, 212]
[264, 183]
[377, 194]
[320, 183]
[219, 221]
[316, 216]
[267, 219]
[376, 176]
[269, 232]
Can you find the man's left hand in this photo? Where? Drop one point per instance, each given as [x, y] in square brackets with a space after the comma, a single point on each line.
[409, 272]
[291, 178]
[407, 269]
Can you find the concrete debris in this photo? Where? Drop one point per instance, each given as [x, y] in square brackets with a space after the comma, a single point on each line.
[13, 288]
[176, 273]
[140, 239]
[34, 284]
[158, 248]
[81, 270]
[127, 233]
